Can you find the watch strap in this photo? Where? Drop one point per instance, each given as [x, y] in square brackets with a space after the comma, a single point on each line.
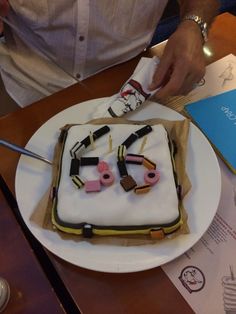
[199, 21]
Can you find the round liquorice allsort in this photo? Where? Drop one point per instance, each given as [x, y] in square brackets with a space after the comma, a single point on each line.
[107, 178]
[152, 176]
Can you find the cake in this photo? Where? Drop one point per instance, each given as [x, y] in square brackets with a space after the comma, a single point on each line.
[116, 179]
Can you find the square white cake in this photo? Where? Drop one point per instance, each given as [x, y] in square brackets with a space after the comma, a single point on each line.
[112, 210]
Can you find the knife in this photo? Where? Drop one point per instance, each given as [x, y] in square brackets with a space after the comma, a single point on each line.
[36, 44]
[24, 151]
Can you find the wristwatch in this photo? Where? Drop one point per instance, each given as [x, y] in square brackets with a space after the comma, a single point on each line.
[199, 21]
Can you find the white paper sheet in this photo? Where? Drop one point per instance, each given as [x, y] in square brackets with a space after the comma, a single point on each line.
[206, 274]
[220, 77]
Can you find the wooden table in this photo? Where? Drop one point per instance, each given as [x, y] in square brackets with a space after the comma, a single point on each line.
[94, 292]
[30, 289]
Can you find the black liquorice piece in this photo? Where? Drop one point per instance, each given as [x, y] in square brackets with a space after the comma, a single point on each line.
[143, 131]
[74, 149]
[135, 155]
[89, 161]
[87, 231]
[86, 141]
[130, 140]
[122, 168]
[100, 132]
[74, 167]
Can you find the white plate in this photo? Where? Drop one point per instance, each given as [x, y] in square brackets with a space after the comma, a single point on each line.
[33, 179]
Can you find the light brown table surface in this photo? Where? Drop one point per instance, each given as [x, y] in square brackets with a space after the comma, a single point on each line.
[30, 289]
[94, 292]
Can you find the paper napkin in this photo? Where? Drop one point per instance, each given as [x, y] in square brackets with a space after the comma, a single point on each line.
[133, 93]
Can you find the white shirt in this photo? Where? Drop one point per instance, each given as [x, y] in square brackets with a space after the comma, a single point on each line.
[83, 37]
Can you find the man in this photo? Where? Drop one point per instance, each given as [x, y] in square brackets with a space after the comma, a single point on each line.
[87, 36]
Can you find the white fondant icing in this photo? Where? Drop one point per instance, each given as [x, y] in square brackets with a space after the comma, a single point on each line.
[114, 206]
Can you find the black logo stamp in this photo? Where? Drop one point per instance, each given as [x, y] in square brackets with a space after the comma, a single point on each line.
[192, 278]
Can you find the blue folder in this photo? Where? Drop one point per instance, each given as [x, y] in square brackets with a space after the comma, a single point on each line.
[216, 117]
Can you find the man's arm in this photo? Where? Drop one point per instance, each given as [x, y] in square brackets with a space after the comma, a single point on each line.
[183, 64]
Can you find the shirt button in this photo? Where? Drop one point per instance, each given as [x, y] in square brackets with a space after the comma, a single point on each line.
[81, 38]
[78, 76]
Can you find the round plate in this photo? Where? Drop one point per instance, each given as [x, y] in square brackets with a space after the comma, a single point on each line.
[33, 179]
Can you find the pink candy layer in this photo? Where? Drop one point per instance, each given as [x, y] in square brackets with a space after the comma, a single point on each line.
[107, 178]
[134, 159]
[151, 176]
[102, 166]
[92, 186]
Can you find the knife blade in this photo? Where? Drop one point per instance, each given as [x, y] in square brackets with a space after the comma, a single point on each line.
[23, 151]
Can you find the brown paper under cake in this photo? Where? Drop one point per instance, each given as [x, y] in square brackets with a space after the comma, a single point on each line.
[178, 131]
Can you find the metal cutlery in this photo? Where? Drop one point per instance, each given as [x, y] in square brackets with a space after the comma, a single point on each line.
[24, 151]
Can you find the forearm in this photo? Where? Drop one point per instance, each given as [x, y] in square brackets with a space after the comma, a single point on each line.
[206, 9]
[183, 63]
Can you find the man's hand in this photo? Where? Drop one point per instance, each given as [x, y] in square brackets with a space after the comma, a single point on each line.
[182, 64]
[4, 8]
